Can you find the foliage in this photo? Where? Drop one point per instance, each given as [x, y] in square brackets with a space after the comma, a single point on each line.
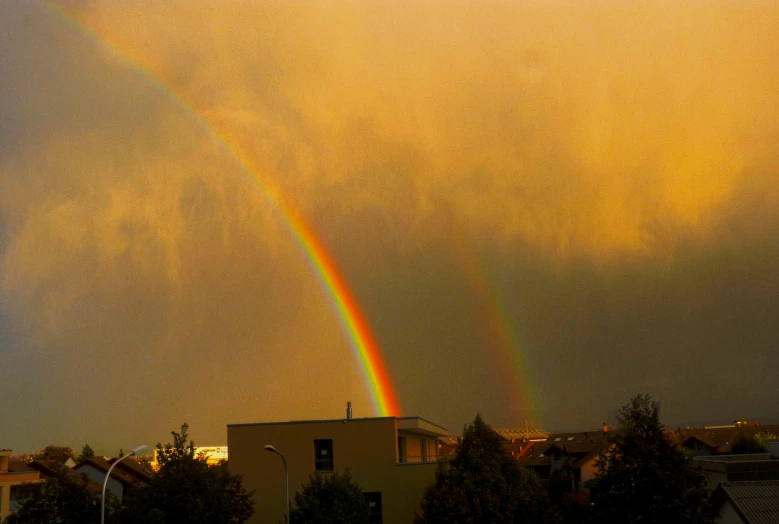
[483, 483]
[747, 445]
[86, 452]
[186, 489]
[331, 498]
[54, 452]
[644, 477]
[63, 499]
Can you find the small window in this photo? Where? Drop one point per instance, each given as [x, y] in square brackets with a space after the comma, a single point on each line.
[323, 455]
[423, 449]
[557, 439]
[570, 438]
[374, 501]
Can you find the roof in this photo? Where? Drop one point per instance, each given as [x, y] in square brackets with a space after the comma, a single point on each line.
[324, 421]
[127, 479]
[519, 433]
[720, 439]
[134, 468]
[53, 468]
[577, 448]
[756, 502]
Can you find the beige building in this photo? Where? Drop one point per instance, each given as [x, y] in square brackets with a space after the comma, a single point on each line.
[392, 459]
[15, 480]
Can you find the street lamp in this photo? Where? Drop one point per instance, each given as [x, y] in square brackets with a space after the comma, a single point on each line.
[134, 451]
[270, 448]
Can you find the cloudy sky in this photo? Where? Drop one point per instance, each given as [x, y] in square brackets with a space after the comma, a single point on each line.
[543, 208]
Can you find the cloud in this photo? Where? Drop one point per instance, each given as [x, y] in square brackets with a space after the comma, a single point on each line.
[613, 166]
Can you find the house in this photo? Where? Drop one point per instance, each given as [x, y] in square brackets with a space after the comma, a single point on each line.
[127, 475]
[566, 458]
[748, 502]
[16, 479]
[393, 459]
[719, 440]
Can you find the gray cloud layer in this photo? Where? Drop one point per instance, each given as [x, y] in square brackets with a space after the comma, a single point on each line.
[612, 169]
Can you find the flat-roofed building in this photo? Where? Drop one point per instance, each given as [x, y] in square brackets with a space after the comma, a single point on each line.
[393, 459]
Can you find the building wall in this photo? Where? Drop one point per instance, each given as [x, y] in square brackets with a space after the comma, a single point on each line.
[98, 475]
[367, 446]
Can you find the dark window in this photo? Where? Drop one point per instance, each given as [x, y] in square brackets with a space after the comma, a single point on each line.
[402, 449]
[323, 455]
[374, 501]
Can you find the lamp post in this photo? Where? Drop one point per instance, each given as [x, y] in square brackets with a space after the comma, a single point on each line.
[134, 451]
[270, 448]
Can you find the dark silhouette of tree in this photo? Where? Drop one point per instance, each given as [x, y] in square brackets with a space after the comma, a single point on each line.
[644, 478]
[483, 483]
[187, 489]
[333, 498]
[86, 452]
[54, 452]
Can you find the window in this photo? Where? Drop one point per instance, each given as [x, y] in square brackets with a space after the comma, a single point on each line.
[374, 501]
[323, 455]
[423, 449]
[402, 454]
[570, 438]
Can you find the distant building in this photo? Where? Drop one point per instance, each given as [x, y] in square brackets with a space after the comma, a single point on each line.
[719, 440]
[213, 455]
[565, 458]
[393, 459]
[16, 480]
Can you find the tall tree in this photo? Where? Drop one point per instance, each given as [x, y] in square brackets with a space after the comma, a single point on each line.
[644, 477]
[86, 452]
[187, 489]
[330, 499]
[483, 483]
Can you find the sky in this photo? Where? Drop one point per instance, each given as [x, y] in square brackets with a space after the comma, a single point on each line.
[542, 208]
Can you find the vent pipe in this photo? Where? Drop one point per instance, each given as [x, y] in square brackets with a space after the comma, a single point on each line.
[348, 411]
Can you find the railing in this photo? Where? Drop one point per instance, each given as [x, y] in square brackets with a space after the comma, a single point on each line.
[430, 459]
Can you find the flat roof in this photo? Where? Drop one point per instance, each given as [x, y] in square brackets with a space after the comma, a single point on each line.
[363, 419]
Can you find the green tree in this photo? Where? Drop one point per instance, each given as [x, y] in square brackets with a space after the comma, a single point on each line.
[644, 478]
[331, 498]
[187, 489]
[747, 445]
[86, 452]
[64, 498]
[483, 483]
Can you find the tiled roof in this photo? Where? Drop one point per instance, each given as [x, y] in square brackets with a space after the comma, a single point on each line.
[757, 502]
[53, 468]
[720, 439]
[127, 479]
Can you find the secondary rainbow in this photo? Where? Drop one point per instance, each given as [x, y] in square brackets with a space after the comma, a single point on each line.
[363, 344]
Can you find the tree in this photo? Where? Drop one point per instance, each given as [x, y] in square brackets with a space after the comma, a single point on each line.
[330, 499]
[54, 452]
[757, 443]
[86, 452]
[643, 477]
[64, 498]
[187, 489]
[483, 483]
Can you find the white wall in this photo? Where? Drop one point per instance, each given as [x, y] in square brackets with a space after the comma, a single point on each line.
[114, 486]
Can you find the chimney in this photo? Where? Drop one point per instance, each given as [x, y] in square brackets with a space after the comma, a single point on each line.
[348, 411]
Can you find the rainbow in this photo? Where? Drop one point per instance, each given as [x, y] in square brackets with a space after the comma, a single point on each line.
[509, 354]
[355, 325]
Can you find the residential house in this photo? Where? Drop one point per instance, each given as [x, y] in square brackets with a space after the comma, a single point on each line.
[718, 440]
[565, 458]
[393, 459]
[127, 475]
[16, 479]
